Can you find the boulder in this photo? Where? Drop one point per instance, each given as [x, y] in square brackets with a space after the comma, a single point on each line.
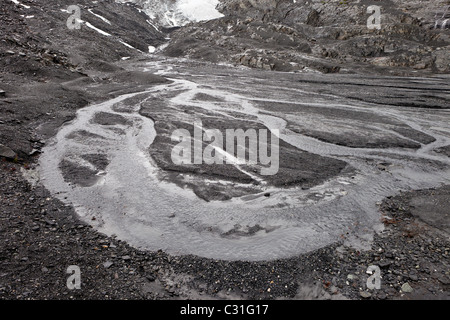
[7, 152]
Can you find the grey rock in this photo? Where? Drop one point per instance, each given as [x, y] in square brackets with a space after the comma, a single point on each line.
[384, 263]
[50, 222]
[442, 60]
[413, 277]
[381, 295]
[7, 152]
[151, 277]
[406, 288]
[444, 280]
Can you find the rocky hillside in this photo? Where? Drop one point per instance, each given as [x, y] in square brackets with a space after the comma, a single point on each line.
[46, 63]
[323, 35]
[33, 32]
[49, 56]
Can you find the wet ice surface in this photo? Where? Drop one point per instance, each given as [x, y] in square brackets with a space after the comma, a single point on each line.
[128, 200]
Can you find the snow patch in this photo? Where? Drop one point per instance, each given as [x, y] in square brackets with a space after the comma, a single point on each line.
[97, 29]
[100, 17]
[21, 4]
[126, 44]
[199, 10]
[177, 13]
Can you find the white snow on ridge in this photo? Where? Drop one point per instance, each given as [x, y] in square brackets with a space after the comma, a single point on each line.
[153, 25]
[199, 10]
[127, 45]
[97, 29]
[177, 13]
[100, 17]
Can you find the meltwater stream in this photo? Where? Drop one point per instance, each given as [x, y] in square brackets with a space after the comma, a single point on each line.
[128, 200]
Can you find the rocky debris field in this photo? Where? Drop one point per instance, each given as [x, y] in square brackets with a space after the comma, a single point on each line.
[48, 72]
[326, 36]
[40, 238]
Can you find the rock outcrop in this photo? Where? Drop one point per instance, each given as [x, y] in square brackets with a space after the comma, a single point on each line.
[327, 36]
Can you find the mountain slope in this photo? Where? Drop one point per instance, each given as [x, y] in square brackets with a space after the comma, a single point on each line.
[328, 36]
[46, 67]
